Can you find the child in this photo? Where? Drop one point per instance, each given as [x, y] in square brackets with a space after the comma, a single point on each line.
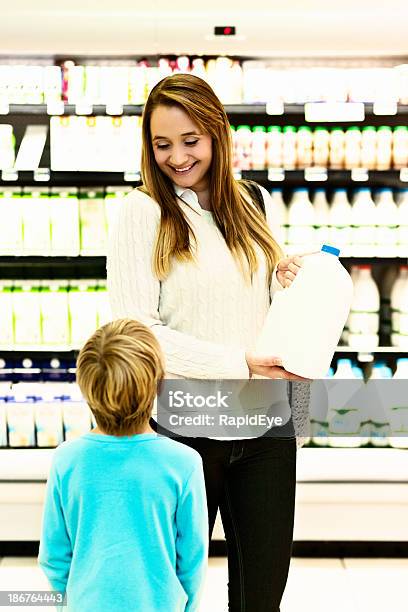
[125, 521]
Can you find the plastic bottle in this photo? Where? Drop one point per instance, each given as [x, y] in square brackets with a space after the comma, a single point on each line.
[336, 155]
[304, 147]
[387, 224]
[319, 424]
[387, 282]
[258, 147]
[403, 224]
[400, 147]
[364, 315]
[321, 143]
[322, 217]
[384, 148]
[48, 416]
[363, 222]
[289, 153]
[244, 147]
[274, 147]
[354, 273]
[83, 310]
[11, 226]
[304, 322]
[281, 215]
[399, 309]
[75, 413]
[92, 222]
[399, 409]
[379, 425]
[64, 218]
[368, 147]
[340, 220]
[20, 417]
[301, 221]
[345, 412]
[352, 147]
[113, 200]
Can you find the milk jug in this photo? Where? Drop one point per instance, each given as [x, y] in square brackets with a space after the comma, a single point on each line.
[280, 213]
[386, 224]
[399, 409]
[322, 212]
[340, 220]
[363, 220]
[301, 220]
[403, 224]
[399, 309]
[364, 317]
[305, 320]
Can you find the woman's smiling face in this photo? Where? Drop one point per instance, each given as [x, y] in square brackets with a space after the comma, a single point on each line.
[181, 150]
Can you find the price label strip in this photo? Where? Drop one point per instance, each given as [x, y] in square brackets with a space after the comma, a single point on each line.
[334, 111]
[55, 108]
[385, 107]
[83, 108]
[42, 175]
[404, 175]
[275, 107]
[359, 175]
[132, 176]
[316, 174]
[114, 109]
[276, 175]
[9, 175]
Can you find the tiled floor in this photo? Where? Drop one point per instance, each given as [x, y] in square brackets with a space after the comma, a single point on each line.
[318, 585]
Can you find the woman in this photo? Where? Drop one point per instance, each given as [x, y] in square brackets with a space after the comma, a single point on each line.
[194, 257]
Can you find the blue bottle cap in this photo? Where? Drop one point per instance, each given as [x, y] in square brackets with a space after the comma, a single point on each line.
[326, 248]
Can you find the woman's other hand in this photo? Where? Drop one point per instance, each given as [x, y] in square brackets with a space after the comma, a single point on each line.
[271, 367]
[287, 269]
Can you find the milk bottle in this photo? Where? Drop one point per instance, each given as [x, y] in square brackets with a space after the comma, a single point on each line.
[54, 314]
[380, 428]
[301, 221]
[384, 148]
[345, 406]
[274, 147]
[103, 304]
[113, 201]
[76, 413]
[321, 143]
[27, 314]
[369, 147]
[387, 224]
[399, 307]
[340, 220]
[387, 282]
[48, 416]
[322, 215]
[399, 411]
[316, 305]
[403, 224]
[64, 216]
[354, 273]
[289, 153]
[352, 147]
[363, 219]
[304, 147]
[35, 210]
[83, 310]
[20, 417]
[336, 155]
[6, 315]
[400, 147]
[364, 315]
[259, 147]
[11, 226]
[319, 424]
[92, 222]
[281, 215]
[243, 151]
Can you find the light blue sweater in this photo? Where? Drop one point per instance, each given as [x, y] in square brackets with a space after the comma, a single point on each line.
[125, 524]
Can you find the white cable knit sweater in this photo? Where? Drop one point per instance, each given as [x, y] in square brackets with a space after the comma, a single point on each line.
[204, 314]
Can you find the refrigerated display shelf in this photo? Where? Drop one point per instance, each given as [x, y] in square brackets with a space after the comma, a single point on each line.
[315, 465]
[275, 176]
[267, 110]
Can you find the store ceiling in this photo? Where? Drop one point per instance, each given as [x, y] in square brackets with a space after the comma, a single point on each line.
[264, 27]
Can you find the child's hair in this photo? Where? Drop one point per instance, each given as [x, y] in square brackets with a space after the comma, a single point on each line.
[118, 371]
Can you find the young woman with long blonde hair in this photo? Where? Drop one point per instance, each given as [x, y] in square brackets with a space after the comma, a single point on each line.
[194, 257]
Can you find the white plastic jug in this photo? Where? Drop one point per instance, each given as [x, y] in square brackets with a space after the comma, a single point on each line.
[305, 321]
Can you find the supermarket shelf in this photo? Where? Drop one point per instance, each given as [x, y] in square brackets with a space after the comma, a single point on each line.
[52, 267]
[315, 465]
[137, 109]
[378, 350]
[309, 176]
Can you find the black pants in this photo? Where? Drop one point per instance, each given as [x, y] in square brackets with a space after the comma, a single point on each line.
[253, 483]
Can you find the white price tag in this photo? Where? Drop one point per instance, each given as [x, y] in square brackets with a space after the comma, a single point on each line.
[42, 175]
[132, 176]
[365, 357]
[404, 175]
[276, 174]
[275, 107]
[114, 109]
[83, 108]
[55, 108]
[334, 111]
[315, 174]
[9, 175]
[385, 107]
[359, 175]
[237, 175]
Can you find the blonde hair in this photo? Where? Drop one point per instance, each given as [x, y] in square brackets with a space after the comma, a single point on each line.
[240, 223]
[118, 371]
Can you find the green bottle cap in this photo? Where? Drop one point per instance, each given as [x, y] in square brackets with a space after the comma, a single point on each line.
[274, 128]
[259, 128]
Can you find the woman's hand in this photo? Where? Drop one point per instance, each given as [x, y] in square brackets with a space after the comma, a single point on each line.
[271, 367]
[287, 269]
